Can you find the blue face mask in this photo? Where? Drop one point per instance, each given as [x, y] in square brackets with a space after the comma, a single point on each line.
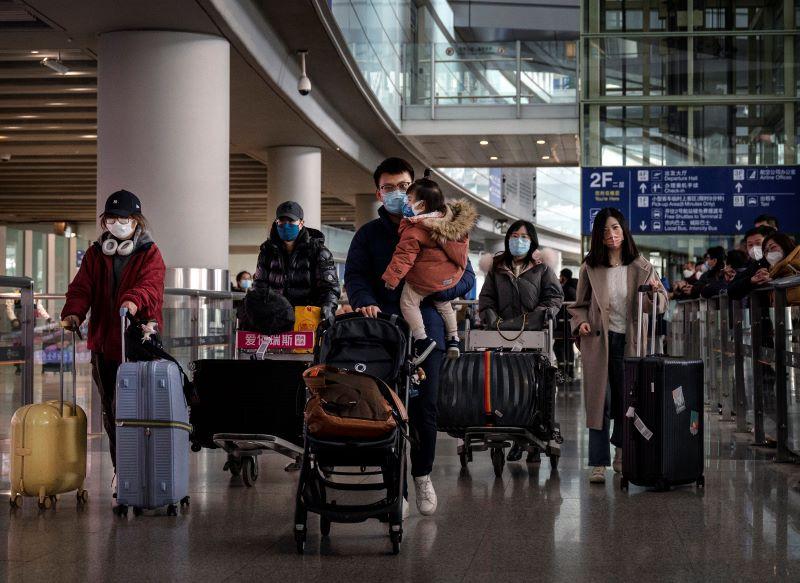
[395, 201]
[288, 231]
[519, 247]
[245, 284]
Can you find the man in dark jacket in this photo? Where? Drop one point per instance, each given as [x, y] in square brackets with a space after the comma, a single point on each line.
[564, 345]
[370, 254]
[295, 263]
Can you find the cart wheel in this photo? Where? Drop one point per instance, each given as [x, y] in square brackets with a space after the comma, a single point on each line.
[396, 539]
[623, 484]
[324, 526]
[82, 496]
[662, 485]
[137, 511]
[249, 471]
[234, 467]
[196, 447]
[185, 501]
[701, 482]
[554, 462]
[498, 460]
[300, 540]
[172, 510]
[15, 501]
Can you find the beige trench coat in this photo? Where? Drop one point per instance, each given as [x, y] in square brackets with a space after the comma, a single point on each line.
[592, 306]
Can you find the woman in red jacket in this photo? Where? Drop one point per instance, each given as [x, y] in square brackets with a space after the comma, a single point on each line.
[124, 269]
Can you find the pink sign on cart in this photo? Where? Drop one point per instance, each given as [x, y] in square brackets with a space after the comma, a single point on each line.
[285, 341]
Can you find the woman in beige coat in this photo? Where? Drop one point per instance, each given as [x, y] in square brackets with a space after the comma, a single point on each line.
[604, 316]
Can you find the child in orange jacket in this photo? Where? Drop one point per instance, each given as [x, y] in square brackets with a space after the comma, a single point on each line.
[431, 256]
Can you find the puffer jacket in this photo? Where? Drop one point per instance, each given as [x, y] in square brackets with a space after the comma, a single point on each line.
[432, 253]
[306, 277]
[506, 295]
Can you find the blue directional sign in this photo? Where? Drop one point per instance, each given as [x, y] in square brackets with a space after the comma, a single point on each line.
[722, 200]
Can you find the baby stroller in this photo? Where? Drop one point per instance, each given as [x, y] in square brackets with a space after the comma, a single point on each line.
[361, 347]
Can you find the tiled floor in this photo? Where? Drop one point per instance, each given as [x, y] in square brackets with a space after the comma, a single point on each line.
[531, 525]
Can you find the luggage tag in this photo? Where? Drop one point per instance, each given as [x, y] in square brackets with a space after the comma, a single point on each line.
[680, 402]
[631, 413]
[639, 424]
[517, 347]
[694, 423]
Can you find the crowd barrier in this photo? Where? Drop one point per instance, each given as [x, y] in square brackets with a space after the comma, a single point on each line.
[751, 351]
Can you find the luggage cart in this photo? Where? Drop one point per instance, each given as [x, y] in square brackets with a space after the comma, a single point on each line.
[497, 439]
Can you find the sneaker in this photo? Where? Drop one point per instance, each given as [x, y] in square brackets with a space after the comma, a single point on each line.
[406, 509]
[453, 348]
[422, 348]
[617, 463]
[598, 475]
[426, 495]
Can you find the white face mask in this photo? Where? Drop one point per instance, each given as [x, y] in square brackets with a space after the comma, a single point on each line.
[687, 273]
[120, 231]
[755, 253]
[774, 257]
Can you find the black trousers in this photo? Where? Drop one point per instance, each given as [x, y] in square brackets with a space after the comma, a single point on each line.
[104, 373]
[422, 417]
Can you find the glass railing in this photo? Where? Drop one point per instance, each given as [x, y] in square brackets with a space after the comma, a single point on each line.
[517, 73]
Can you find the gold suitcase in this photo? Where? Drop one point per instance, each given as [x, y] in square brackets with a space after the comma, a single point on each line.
[48, 447]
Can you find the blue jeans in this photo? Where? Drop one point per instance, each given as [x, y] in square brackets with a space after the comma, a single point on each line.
[599, 450]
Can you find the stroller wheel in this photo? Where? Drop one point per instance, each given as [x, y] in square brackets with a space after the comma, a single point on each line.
[396, 538]
[300, 541]
[498, 461]
[324, 526]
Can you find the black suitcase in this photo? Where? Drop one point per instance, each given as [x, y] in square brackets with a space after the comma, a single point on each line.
[519, 391]
[663, 425]
[248, 397]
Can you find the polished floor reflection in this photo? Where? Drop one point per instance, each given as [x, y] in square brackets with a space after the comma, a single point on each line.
[531, 525]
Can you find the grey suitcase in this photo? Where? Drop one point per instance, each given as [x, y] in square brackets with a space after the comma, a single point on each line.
[152, 436]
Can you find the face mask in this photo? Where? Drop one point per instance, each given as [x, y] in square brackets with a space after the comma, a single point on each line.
[519, 247]
[755, 253]
[288, 231]
[395, 201]
[246, 283]
[774, 257]
[120, 231]
[687, 273]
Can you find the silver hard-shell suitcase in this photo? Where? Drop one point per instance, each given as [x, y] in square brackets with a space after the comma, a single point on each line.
[152, 436]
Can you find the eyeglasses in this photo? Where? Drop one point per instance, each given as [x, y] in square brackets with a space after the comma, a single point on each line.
[386, 188]
[120, 220]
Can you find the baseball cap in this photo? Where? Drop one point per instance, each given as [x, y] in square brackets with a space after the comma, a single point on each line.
[289, 209]
[123, 204]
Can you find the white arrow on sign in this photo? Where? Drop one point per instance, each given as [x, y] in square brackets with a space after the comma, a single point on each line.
[642, 188]
[739, 225]
[738, 187]
[643, 225]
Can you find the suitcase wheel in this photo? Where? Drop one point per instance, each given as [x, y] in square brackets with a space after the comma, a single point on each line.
[15, 501]
[249, 471]
[121, 510]
[300, 540]
[701, 482]
[396, 537]
[46, 502]
[82, 496]
[172, 510]
[137, 511]
[185, 501]
[623, 484]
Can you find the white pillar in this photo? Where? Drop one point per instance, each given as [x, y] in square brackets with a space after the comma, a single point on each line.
[367, 206]
[163, 119]
[295, 173]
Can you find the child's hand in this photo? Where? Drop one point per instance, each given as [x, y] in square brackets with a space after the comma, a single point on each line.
[390, 286]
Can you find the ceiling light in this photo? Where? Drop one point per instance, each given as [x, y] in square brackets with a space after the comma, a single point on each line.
[90, 136]
[55, 65]
[484, 142]
[27, 116]
[540, 142]
[80, 89]
[12, 128]
[56, 103]
[492, 157]
[34, 52]
[3, 137]
[545, 157]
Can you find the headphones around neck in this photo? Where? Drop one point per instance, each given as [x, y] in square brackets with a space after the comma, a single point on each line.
[113, 247]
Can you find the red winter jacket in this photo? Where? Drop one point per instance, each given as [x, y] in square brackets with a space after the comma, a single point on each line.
[142, 283]
[432, 253]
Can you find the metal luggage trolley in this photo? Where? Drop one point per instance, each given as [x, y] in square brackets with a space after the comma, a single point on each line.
[496, 439]
[243, 449]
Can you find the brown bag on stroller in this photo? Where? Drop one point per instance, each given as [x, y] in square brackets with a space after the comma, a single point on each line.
[350, 404]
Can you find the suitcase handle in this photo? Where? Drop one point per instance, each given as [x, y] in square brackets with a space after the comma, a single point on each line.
[123, 315]
[643, 289]
[74, 374]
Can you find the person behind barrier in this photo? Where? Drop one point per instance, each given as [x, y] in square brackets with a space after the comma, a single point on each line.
[714, 261]
[519, 293]
[735, 263]
[295, 262]
[124, 269]
[370, 254]
[244, 280]
[766, 221]
[565, 346]
[430, 257]
[757, 270]
[605, 318]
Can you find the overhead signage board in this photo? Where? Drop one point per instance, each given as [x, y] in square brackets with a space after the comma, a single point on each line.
[720, 200]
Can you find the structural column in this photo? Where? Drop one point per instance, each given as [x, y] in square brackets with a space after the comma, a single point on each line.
[295, 173]
[367, 206]
[163, 132]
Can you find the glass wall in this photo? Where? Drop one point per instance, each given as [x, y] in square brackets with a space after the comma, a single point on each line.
[669, 83]
[558, 199]
[15, 259]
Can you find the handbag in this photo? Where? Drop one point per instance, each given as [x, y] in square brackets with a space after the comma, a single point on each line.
[519, 324]
[350, 404]
[787, 267]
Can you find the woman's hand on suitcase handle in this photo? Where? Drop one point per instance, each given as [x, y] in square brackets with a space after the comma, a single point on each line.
[131, 307]
[584, 329]
[71, 323]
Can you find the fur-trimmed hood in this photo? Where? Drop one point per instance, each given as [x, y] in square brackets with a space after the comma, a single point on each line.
[456, 223]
